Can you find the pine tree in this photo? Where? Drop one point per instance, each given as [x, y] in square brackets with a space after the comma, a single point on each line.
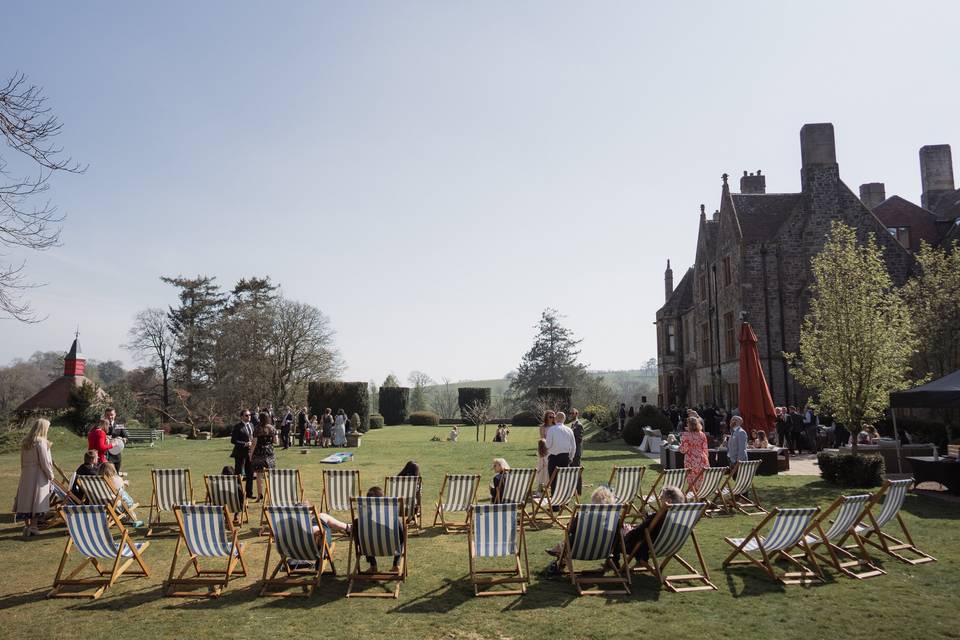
[243, 334]
[552, 361]
[418, 394]
[194, 324]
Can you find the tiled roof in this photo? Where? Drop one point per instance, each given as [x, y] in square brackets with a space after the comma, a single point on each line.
[897, 212]
[761, 215]
[682, 297]
[947, 206]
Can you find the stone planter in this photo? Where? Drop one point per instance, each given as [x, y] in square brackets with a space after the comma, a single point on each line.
[353, 439]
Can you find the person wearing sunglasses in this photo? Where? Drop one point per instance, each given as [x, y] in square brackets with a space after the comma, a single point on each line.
[242, 440]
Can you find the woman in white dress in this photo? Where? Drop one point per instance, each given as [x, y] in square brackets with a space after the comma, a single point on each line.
[339, 431]
[36, 474]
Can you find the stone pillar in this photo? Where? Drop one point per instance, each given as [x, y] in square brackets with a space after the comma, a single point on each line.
[668, 282]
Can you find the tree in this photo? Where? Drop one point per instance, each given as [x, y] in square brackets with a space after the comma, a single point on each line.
[391, 381]
[933, 297]
[857, 339]
[445, 401]
[28, 128]
[418, 394]
[551, 361]
[477, 413]
[150, 339]
[194, 325]
[243, 374]
[594, 390]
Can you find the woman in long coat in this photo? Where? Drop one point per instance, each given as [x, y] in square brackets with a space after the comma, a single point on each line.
[36, 473]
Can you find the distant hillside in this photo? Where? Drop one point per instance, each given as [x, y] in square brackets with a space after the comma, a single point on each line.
[618, 380]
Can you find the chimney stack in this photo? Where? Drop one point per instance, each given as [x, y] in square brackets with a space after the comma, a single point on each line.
[936, 173]
[668, 281]
[872, 194]
[818, 155]
[753, 183]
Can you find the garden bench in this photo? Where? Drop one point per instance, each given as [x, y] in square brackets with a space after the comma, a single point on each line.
[142, 435]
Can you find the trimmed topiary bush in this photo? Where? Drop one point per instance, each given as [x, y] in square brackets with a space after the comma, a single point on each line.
[558, 398]
[424, 419]
[851, 470]
[376, 421]
[525, 419]
[647, 416]
[394, 404]
[466, 396]
[352, 397]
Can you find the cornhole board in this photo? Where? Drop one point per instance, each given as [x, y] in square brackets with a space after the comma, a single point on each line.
[337, 458]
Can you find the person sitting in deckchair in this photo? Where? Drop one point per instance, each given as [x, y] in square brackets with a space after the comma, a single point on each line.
[372, 492]
[634, 534]
[88, 468]
[600, 495]
[113, 478]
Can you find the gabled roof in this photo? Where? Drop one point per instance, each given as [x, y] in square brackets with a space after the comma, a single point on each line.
[898, 212]
[682, 297]
[947, 206]
[762, 214]
[56, 395]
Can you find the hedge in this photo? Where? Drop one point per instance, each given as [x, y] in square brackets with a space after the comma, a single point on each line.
[352, 397]
[851, 470]
[376, 421]
[394, 404]
[526, 419]
[647, 416]
[558, 398]
[466, 396]
[424, 419]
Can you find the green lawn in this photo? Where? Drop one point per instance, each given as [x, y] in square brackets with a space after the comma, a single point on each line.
[437, 602]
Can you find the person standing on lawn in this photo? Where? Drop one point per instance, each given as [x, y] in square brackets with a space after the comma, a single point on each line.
[577, 427]
[242, 440]
[561, 444]
[737, 443]
[114, 430]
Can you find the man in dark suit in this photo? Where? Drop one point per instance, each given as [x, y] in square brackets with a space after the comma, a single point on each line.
[114, 431]
[242, 439]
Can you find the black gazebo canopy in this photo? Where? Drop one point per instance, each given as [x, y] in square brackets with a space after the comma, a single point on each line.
[943, 393]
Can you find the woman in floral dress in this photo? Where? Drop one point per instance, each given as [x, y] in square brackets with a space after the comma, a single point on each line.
[693, 446]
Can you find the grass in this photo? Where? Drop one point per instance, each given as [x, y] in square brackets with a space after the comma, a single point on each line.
[437, 602]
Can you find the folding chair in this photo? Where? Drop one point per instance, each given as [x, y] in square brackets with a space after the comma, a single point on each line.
[89, 530]
[60, 496]
[711, 482]
[496, 531]
[517, 486]
[339, 486]
[457, 493]
[207, 532]
[667, 478]
[227, 491]
[625, 483]
[378, 532]
[595, 532]
[556, 503]
[302, 559]
[170, 487]
[738, 491]
[96, 490]
[676, 523]
[786, 533]
[848, 513]
[894, 491]
[408, 488]
[284, 488]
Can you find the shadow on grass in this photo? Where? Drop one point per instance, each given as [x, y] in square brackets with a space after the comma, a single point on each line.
[146, 595]
[754, 582]
[444, 599]
[22, 598]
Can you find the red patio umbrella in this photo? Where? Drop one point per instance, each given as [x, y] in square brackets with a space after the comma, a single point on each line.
[756, 404]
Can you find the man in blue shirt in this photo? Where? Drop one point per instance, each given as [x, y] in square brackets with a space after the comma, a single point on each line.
[737, 443]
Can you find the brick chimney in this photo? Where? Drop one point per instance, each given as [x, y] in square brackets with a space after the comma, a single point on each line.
[936, 173]
[872, 194]
[668, 281]
[819, 174]
[753, 183]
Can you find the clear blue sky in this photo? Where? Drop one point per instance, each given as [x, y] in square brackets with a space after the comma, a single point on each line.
[432, 175]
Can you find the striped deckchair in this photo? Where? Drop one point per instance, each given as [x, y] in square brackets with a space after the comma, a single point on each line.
[738, 491]
[339, 486]
[60, 495]
[555, 506]
[96, 490]
[625, 483]
[592, 535]
[89, 530]
[847, 512]
[787, 531]
[302, 559]
[170, 487]
[378, 533]
[284, 489]
[676, 523]
[893, 493]
[457, 493]
[708, 491]
[207, 532]
[517, 486]
[408, 488]
[227, 491]
[667, 478]
[496, 531]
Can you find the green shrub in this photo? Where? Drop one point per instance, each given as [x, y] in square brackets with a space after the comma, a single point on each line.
[466, 396]
[647, 416]
[602, 436]
[849, 470]
[85, 407]
[352, 397]
[394, 404]
[176, 429]
[424, 419]
[222, 430]
[525, 419]
[376, 421]
[598, 415]
[558, 398]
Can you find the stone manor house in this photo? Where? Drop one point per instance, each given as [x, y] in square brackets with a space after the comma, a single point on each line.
[753, 262]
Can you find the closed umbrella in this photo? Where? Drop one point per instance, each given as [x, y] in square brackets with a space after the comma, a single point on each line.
[756, 404]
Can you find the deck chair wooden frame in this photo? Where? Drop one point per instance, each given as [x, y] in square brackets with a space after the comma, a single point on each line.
[300, 559]
[461, 494]
[496, 531]
[877, 516]
[89, 532]
[627, 485]
[739, 492]
[227, 491]
[170, 487]
[206, 532]
[409, 488]
[667, 477]
[378, 531]
[554, 507]
[676, 524]
[848, 513]
[788, 531]
[96, 490]
[517, 486]
[282, 488]
[710, 490]
[61, 496]
[597, 530]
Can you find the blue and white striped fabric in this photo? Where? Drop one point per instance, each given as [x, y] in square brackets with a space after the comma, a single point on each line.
[405, 487]
[892, 501]
[674, 478]
[96, 490]
[172, 487]
[678, 524]
[743, 481]
[224, 491]
[461, 488]
[845, 517]
[90, 531]
[60, 492]
[788, 526]
[495, 532]
[293, 532]
[597, 527]
[516, 485]
[566, 485]
[710, 482]
[340, 485]
[379, 529]
[626, 483]
[283, 487]
[204, 531]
